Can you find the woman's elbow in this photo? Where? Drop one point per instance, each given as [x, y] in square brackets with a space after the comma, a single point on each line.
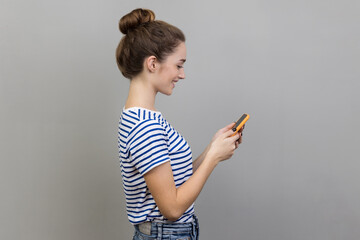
[172, 215]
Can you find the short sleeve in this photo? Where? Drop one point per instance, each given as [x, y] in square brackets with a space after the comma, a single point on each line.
[148, 146]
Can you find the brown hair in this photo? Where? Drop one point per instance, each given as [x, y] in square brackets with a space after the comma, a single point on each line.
[144, 37]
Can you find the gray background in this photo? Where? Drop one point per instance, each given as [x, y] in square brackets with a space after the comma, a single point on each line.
[292, 65]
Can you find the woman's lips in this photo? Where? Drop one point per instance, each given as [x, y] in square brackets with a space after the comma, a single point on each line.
[173, 82]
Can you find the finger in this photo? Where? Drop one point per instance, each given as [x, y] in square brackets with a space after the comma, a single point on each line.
[226, 128]
[240, 137]
[241, 129]
[234, 138]
[239, 140]
[229, 126]
[229, 133]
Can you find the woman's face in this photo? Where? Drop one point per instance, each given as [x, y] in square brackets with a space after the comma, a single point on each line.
[171, 70]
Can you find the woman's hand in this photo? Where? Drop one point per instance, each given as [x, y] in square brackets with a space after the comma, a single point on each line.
[221, 131]
[223, 145]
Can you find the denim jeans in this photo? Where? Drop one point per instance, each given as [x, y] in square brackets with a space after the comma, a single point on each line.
[170, 231]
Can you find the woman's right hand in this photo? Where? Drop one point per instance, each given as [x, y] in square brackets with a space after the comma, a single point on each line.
[223, 145]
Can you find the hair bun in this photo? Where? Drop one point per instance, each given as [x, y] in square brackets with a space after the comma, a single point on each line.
[135, 18]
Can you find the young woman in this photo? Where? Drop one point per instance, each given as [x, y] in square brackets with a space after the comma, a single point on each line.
[160, 179]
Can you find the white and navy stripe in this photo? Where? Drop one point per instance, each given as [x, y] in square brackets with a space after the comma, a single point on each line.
[146, 140]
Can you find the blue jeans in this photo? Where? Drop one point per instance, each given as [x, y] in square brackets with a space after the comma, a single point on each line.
[169, 231]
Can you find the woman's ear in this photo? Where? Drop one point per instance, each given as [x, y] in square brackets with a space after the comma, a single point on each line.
[151, 63]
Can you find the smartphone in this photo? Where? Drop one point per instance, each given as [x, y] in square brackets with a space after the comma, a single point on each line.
[239, 123]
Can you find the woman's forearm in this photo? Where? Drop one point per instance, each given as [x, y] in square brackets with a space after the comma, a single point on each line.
[197, 162]
[187, 193]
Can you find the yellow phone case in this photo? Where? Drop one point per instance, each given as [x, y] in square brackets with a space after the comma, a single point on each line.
[239, 123]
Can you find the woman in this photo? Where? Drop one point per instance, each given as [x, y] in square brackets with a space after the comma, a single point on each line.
[161, 182]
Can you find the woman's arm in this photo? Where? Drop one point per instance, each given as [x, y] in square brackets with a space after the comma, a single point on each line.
[172, 201]
[198, 160]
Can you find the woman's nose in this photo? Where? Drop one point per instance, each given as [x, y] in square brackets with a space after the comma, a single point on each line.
[182, 74]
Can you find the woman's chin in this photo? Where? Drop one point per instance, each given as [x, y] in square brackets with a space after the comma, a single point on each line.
[168, 92]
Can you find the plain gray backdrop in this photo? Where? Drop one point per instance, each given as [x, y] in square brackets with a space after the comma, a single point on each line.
[294, 66]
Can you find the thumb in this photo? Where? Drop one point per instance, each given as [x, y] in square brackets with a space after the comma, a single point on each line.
[229, 133]
[228, 127]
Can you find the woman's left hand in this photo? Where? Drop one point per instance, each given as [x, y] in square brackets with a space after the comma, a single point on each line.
[224, 129]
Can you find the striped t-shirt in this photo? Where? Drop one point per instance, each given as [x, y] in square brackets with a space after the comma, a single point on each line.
[146, 140]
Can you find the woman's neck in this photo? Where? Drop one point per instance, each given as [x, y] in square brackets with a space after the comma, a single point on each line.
[141, 94]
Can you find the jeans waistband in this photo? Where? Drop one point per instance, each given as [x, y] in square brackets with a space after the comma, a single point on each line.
[160, 228]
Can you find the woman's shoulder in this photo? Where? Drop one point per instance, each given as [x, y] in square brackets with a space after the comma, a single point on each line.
[140, 114]
[136, 119]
